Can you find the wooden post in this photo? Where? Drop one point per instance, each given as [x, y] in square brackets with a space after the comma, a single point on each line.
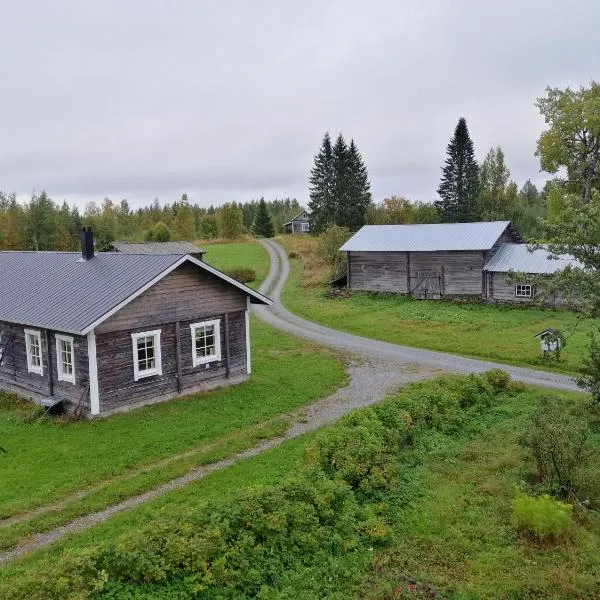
[408, 273]
[178, 356]
[49, 354]
[227, 357]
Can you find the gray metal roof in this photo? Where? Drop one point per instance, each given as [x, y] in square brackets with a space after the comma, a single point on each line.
[156, 248]
[426, 238]
[60, 291]
[518, 258]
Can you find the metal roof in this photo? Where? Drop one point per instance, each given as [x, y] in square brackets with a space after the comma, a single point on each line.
[519, 258]
[426, 238]
[156, 248]
[62, 292]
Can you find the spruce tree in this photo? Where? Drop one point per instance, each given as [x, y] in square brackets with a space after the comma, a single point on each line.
[322, 203]
[262, 221]
[459, 186]
[358, 191]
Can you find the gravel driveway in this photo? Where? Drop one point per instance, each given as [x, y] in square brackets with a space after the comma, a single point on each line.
[281, 318]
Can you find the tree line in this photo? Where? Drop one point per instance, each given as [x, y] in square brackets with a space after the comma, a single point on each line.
[42, 224]
[468, 191]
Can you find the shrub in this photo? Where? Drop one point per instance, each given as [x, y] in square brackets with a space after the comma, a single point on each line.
[498, 379]
[242, 274]
[328, 248]
[589, 379]
[541, 517]
[159, 233]
[557, 441]
[293, 254]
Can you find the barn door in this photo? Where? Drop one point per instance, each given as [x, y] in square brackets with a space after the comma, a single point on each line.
[426, 285]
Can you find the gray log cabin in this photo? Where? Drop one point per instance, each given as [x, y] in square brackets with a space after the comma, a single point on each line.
[299, 224]
[433, 261]
[112, 331]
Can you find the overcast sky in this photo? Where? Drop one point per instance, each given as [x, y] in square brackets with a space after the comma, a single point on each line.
[229, 100]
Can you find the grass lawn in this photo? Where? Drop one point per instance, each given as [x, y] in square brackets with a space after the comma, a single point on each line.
[453, 532]
[226, 256]
[503, 334]
[124, 454]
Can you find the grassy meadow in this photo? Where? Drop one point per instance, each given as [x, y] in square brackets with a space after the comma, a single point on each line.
[48, 463]
[498, 333]
[232, 255]
[434, 523]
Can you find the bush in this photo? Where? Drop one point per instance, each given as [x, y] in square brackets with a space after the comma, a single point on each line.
[498, 379]
[159, 233]
[557, 441]
[242, 274]
[328, 248]
[293, 254]
[541, 517]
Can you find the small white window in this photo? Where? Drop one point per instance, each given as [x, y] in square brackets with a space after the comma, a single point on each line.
[523, 290]
[305, 227]
[3, 341]
[33, 347]
[65, 358]
[146, 354]
[206, 342]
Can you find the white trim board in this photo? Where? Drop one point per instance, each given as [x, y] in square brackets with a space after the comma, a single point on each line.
[93, 374]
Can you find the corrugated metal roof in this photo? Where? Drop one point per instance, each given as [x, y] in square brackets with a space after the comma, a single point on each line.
[157, 248]
[518, 258]
[426, 238]
[60, 291]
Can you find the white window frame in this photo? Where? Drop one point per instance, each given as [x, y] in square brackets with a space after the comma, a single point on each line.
[62, 375]
[305, 227]
[2, 349]
[203, 360]
[31, 368]
[157, 370]
[524, 290]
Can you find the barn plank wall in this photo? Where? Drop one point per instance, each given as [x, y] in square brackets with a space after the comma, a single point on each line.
[391, 271]
[14, 376]
[502, 291]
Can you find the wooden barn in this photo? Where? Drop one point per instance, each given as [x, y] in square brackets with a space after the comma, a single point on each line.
[108, 332]
[429, 261]
[299, 224]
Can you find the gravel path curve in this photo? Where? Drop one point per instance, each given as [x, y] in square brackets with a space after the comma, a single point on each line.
[281, 318]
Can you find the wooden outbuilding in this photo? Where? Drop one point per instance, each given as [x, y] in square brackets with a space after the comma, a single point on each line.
[182, 247]
[429, 261]
[111, 331]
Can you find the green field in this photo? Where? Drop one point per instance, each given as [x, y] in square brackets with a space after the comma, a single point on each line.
[238, 254]
[125, 454]
[449, 529]
[503, 334]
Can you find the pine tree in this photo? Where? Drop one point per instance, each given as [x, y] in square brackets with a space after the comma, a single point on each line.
[321, 204]
[459, 186]
[262, 221]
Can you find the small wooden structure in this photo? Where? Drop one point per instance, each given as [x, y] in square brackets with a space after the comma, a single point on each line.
[550, 340]
[157, 248]
[110, 331]
[299, 224]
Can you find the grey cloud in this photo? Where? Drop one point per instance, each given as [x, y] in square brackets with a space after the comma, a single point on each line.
[229, 100]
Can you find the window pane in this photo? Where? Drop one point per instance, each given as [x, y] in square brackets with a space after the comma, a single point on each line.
[205, 341]
[66, 351]
[146, 353]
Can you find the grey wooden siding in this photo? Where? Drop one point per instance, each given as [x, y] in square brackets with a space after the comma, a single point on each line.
[185, 293]
[378, 271]
[500, 290]
[460, 272]
[115, 361]
[14, 375]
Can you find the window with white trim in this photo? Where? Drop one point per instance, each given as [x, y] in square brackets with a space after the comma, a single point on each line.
[146, 354]
[206, 342]
[65, 358]
[3, 341]
[523, 290]
[305, 227]
[33, 348]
